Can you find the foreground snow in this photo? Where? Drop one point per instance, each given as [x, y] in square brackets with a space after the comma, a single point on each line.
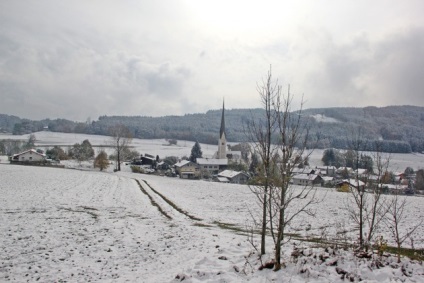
[79, 226]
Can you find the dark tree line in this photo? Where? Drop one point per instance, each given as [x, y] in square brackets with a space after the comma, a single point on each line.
[398, 127]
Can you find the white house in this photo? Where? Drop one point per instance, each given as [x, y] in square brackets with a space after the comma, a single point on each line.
[306, 179]
[187, 169]
[235, 177]
[212, 165]
[30, 155]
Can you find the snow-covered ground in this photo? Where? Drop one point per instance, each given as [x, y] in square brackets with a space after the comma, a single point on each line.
[68, 225]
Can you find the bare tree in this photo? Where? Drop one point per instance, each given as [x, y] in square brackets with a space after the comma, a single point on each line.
[377, 207]
[121, 139]
[357, 210]
[289, 201]
[368, 208]
[260, 134]
[395, 218]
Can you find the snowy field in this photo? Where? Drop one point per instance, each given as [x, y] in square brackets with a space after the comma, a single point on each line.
[63, 225]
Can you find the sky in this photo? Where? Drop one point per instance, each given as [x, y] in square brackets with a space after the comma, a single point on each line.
[79, 60]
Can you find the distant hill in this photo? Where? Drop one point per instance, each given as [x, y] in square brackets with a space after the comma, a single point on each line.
[401, 128]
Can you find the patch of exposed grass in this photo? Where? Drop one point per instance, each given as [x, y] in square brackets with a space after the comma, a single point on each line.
[232, 227]
[411, 253]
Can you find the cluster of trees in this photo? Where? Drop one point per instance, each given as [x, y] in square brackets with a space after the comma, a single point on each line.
[281, 202]
[348, 158]
[398, 127]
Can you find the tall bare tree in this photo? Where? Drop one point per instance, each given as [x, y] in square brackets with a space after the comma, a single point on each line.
[260, 133]
[357, 209]
[121, 139]
[369, 207]
[377, 208]
[289, 201]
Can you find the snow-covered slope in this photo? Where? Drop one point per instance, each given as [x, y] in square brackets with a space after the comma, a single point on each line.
[68, 225]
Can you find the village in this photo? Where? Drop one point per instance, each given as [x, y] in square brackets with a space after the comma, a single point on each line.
[235, 164]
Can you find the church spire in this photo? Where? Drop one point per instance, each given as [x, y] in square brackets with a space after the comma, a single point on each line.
[222, 142]
[222, 130]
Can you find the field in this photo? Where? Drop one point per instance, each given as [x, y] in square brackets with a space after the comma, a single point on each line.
[68, 225]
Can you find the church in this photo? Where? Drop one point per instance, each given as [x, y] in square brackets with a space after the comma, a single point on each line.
[220, 160]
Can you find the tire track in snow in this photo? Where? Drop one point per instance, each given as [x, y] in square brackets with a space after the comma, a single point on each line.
[173, 205]
[152, 201]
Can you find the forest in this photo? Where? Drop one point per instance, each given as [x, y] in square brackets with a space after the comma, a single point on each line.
[396, 128]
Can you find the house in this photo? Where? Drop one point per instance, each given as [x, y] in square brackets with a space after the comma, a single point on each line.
[148, 159]
[306, 179]
[234, 177]
[327, 180]
[361, 173]
[187, 169]
[212, 165]
[28, 156]
[327, 170]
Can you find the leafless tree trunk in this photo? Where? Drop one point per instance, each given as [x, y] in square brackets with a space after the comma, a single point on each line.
[260, 133]
[121, 138]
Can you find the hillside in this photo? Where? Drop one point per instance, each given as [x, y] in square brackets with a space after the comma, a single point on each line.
[400, 128]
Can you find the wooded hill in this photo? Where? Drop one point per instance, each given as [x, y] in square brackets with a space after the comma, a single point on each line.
[398, 128]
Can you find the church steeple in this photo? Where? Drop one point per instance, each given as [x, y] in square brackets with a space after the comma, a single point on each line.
[222, 142]
[222, 130]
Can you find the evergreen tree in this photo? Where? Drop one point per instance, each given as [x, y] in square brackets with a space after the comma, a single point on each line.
[196, 152]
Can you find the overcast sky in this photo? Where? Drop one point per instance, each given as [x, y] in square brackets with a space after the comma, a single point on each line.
[81, 59]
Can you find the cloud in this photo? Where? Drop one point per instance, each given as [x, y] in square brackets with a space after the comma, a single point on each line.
[78, 59]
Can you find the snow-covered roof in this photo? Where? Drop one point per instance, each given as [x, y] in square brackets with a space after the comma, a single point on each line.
[326, 167]
[361, 171]
[305, 170]
[230, 173]
[31, 151]
[211, 161]
[305, 177]
[182, 163]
